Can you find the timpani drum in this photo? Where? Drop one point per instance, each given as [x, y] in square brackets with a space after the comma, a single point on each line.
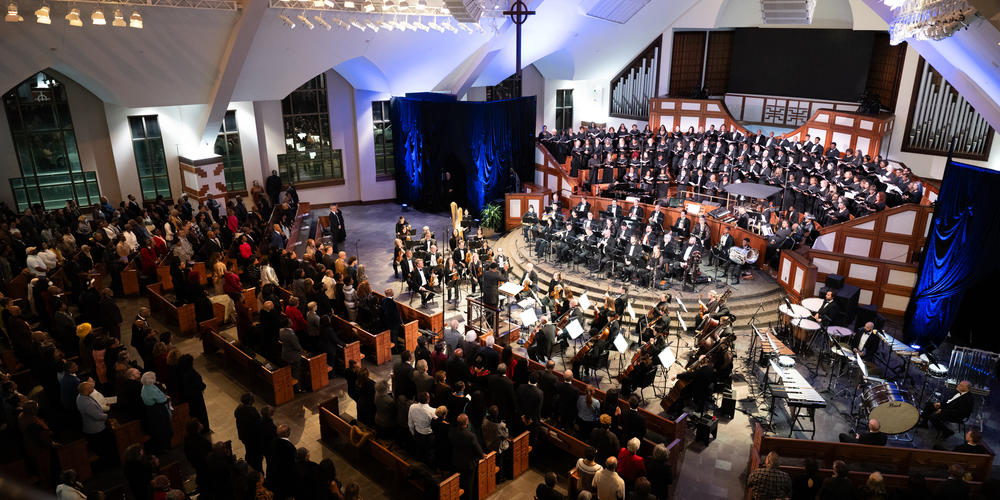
[838, 332]
[891, 406]
[804, 329]
[813, 304]
[937, 370]
[795, 312]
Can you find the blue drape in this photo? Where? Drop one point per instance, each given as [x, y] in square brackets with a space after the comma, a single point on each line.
[960, 250]
[486, 140]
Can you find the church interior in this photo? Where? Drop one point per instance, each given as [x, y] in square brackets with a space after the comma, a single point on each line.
[614, 249]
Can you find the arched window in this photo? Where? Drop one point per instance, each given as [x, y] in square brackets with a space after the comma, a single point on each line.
[38, 115]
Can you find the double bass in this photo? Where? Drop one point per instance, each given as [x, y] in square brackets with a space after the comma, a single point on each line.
[590, 345]
[644, 351]
[674, 395]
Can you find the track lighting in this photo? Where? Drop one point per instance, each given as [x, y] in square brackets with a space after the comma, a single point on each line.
[98, 18]
[305, 20]
[42, 15]
[135, 20]
[12, 15]
[74, 17]
[288, 21]
[322, 22]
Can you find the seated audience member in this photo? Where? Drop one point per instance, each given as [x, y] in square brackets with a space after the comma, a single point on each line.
[547, 490]
[973, 443]
[873, 437]
[769, 482]
[806, 485]
[955, 487]
[839, 485]
[642, 490]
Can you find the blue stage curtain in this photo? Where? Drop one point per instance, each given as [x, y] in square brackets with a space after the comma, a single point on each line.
[960, 250]
[483, 140]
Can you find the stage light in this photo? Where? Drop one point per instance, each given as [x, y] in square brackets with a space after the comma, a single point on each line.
[464, 27]
[356, 24]
[305, 20]
[42, 15]
[434, 26]
[386, 25]
[387, 5]
[98, 18]
[12, 15]
[448, 26]
[405, 207]
[135, 20]
[74, 17]
[348, 4]
[341, 23]
[119, 21]
[369, 6]
[371, 25]
[322, 22]
[420, 25]
[288, 22]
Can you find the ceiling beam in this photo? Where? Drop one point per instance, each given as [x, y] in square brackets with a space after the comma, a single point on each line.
[230, 67]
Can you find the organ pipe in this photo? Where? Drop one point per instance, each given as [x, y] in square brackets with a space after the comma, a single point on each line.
[630, 94]
[940, 114]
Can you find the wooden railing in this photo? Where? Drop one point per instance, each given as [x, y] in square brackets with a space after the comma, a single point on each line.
[884, 283]
[183, 316]
[892, 234]
[433, 322]
[797, 275]
[379, 345]
[275, 383]
[895, 464]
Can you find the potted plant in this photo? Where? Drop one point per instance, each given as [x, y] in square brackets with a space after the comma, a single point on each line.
[491, 219]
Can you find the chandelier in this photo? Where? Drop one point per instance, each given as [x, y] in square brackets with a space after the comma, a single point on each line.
[928, 19]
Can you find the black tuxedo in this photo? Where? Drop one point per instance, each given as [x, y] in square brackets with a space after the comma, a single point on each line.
[683, 226]
[615, 212]
[871, 343]
[490, 284]
[952, 410]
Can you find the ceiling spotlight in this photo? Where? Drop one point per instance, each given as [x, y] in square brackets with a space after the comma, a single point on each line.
[348, 4]
[421, 5]
[420, 25]
[119, 21]
[387, 5]
[464, 27]
[322, 22]
[12, 15]
[135, 20]
[386, 25]
[372, 26]
[356, 24]
[98, 18]
[434, 26]
[341, 23]
[288, 22]
[74, 17]
[369, 6]
[305, 20]
[42, 15]
[448, 26]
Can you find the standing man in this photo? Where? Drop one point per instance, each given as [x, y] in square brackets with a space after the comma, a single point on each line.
[248, 423]
[338, 232]
[273, 187]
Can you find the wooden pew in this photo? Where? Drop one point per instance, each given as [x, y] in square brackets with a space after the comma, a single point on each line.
[379, 344]
[163, 273]
[183, 316]
[486, 475]
[391, 469]
[75, 455]
[276, 384]
[432, 322]
[886, 459]
[130, 278]
[521, 448]
[127, 434]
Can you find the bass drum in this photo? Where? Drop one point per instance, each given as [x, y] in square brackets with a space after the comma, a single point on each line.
[891, 406]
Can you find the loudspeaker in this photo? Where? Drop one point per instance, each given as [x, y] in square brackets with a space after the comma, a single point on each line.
[707, 430]
[847, 301]
[728, 408]
[834, 281]
[865, 314]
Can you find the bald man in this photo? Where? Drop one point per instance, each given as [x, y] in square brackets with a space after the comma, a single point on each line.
[865, 341]
[955, 409]
[874, 436]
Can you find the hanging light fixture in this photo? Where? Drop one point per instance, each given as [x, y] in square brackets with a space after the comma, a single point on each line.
[74, 17]
[288, 21]
[12, 15]
[135, 20]
[98, 18]
[435, 26]
[42, 15]
[305, 20]
[420, 25]
[322, 22]
[448, 26]
[119, 20]
[356, 24]
[372, 25]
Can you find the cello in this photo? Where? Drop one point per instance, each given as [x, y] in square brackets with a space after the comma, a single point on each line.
[675, 392]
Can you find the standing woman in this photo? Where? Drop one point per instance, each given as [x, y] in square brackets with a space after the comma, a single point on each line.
[191, 389]
[158, 412]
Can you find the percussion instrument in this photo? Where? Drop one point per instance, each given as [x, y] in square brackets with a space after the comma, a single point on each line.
[839, 332]
[812, 303]
[795, 312]
[786, 361]
[937, 370]
[803, 329]
[799, 395]
[740, 255]
[891, 406]
[842, 351]
[975, 365]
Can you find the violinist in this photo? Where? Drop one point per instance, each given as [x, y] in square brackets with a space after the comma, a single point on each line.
[452, 276]
[474, 270]
[402, 228]
[530, 279]
[398, 252]
[421, 282]
[461, 254]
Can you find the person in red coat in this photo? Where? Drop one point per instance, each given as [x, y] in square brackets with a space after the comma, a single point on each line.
[296, 321]
[630, 465]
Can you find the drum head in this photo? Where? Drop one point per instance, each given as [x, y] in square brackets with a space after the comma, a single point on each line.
[937, 370]
[891, 406]
[807, 324]
[812, 303]
[800, 311]
[839, 331]
[786, 361]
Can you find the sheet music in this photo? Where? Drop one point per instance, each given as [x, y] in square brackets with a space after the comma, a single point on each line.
[511, 288]
[861, 364]
[684, 325]
[667, 357]
[528, 317]
[574, 329]
[584, 301]
[631, 312]
[528, 303]
[621, 345]
[678, 299]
